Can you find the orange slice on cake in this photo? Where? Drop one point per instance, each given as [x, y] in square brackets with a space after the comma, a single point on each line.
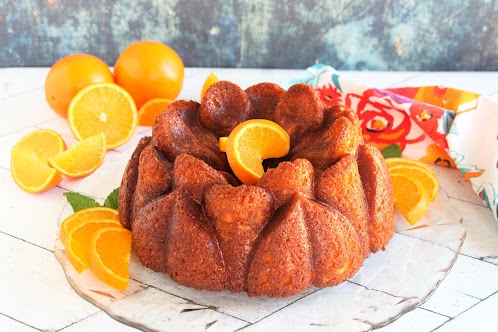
[250, 143]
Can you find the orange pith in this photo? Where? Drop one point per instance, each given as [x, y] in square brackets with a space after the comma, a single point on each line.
[81, 159]
[29, 166]
[250, 143]
[78, 241]
[109, 256]
[149, 111]
[76, 219]
[210, 80]
[410, 197]
[103, 108]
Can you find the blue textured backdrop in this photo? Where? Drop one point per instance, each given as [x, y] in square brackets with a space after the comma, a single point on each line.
[373, 34]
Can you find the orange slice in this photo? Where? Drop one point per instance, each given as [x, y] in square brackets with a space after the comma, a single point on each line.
[149, 111]
[110, 256]
[82, 216]
[410, 197]
[78, 241]
[103, 108]
[210, 80]
[425, 176]
[250, 143]
[29, 166]
[81, 159]
[392, 162]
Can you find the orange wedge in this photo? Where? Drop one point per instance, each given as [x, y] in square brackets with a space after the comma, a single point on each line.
[250, 143]
[81, 159]
[82, 216]
[110, 256]
[78, 241]
[29, 166]
[149, 111]
[103, 108]
[410, 197]
[425, 176]
[210, 80]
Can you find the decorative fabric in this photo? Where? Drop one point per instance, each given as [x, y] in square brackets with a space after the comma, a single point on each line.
[434, 124]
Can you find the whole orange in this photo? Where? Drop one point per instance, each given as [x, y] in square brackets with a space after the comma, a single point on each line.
[148, 70]
[69, 75]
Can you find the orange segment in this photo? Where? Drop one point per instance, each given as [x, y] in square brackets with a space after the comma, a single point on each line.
[210, 80]
[82, 216]
[78, 241]
[410, 197]
[81, 159]
[110, 256]
[103, 108]
[29, 166]
[149, 111]
[250, 143]
[426, 177]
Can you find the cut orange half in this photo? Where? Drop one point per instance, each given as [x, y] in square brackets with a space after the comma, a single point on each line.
[82, 216]
[81, 159]
[29, 165]
[78, 241]
[149, 111]
[103, 108]
[109, 257]
[410, 198]
[210, 80]
[250, 143]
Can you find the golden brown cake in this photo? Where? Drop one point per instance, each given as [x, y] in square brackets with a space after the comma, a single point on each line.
[311, 219]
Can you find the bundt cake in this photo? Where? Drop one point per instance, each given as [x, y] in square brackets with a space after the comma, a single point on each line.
[310, 220]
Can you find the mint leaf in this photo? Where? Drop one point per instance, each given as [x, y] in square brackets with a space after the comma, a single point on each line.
[79, 201]
[391, 151]
[112, 200]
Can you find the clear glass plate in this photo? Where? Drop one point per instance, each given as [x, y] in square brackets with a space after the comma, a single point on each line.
[389, 284]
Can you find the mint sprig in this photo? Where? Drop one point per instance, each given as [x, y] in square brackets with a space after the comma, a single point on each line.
[112, 200]
[80, 202]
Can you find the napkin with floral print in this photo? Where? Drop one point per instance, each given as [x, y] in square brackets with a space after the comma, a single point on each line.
[440, 125]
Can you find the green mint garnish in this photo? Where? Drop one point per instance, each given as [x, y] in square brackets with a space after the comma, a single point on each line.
[112, 200]
[80, 202]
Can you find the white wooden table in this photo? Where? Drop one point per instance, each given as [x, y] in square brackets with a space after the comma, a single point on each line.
[34, 293]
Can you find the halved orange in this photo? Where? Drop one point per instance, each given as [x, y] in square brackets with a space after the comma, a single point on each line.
[109, 257]
[81, 159]
[426, 177]
[103, 108]
[78, 241]
[210, 80]
[82, 216]
[29, 166]
[149, 111]
[250, 143]
[410, 197]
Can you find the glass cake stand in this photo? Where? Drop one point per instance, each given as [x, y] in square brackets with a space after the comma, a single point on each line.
[389, 284]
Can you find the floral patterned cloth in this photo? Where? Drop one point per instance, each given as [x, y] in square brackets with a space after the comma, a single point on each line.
[438, 125]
